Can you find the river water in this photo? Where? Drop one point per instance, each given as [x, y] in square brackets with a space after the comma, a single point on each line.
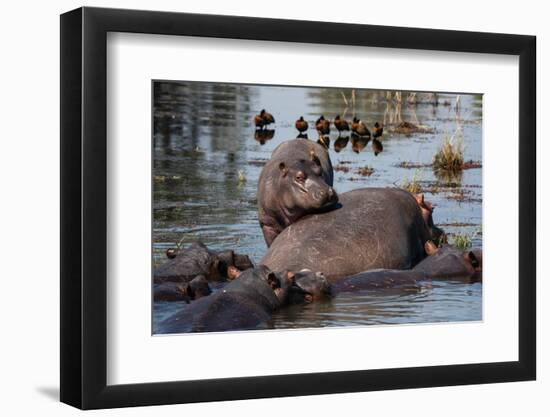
[207, 160]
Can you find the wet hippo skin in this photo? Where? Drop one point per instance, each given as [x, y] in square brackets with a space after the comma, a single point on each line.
[445, 263]
[450, 263]
[296, 181]
[175, 291]
[372, 228]
[197, 260]
[245, 303]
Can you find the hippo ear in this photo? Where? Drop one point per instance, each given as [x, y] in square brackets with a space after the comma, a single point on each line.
[273, 280]
[473, 259]
[283, 168]
[289, 276]
[419, 199]
[314, 157]
[430, 248]
[187, 290]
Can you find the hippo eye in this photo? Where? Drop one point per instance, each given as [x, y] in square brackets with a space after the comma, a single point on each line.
[301, 177]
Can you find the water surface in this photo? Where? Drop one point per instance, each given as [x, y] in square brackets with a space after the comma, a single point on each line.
[208, 158]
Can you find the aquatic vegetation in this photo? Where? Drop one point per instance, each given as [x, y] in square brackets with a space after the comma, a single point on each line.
[242, 177]
[461, 240]
[365, 171]
[342, 168]
[450, 156]
[412, 185]
[411, 165]
[408, 128]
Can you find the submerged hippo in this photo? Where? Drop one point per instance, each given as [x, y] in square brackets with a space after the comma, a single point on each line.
[245, 303]
[197, 260]
[296, 181]
[176, 291]
[372, 228]
[448, 262]
[445, 263]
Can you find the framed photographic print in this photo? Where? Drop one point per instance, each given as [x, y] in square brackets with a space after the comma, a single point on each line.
[258, 208]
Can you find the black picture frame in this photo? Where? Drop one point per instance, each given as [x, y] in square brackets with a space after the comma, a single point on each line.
[84, 207]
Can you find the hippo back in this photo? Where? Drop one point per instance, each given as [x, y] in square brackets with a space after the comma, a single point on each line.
[373, 228]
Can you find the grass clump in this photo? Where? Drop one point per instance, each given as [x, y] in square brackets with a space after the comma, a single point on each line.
[450, 156]
[412, 185]
[462, 241]
[365, 171]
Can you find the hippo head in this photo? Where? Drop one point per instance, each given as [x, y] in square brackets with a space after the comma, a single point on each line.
[197, 288]
[426, 208]
[302, 187]
[309, 286]
[450, 262]
[279, 283]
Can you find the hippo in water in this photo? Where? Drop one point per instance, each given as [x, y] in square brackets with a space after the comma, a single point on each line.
[248, 302]
[450, 263]
[296, 181]
[372, 228]
[445, 263]
[197, 260]
[175, 291]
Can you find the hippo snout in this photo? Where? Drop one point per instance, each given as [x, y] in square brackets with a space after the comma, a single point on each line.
[332, 196]
[328, 195]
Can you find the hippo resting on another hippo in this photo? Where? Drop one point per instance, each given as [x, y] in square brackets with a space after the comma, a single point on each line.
[296, 181]
[245, 303]
[197, 260]
[445, 263]
[373, 228]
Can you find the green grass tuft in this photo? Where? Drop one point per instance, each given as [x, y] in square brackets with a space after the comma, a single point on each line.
[450, 156]
[412, 185]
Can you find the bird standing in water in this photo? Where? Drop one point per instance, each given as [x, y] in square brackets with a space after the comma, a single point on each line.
[301, 124]
[358, 127]
[263, 119]
[341, 124]
[322, 125]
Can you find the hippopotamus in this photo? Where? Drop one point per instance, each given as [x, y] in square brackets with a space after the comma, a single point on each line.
[442, 263]
[448, 262]
[197, 260]
[296, 181]
[176, 291]
[246, 303]
[371, 228]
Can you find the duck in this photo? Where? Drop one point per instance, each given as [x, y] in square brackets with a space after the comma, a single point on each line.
[378, 130]
[301, 124]
[359, 127]
[341, 124]
[322, 125]
[263, 119]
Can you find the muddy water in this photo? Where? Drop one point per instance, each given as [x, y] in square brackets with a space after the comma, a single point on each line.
[208, 157]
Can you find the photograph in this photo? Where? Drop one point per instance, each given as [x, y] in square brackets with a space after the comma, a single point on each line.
[302, 207]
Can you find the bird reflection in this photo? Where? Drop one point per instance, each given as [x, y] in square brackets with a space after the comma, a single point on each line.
[341, 143]
[324, 140]
[358, 143]
[302, 136]
[377, 146]
[263, 135]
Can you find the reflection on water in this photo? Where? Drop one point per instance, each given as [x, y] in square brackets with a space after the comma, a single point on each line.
[208, 157]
